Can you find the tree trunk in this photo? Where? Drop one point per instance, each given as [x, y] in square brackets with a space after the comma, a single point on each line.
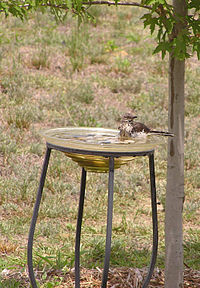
[175, 178]
[175, 167]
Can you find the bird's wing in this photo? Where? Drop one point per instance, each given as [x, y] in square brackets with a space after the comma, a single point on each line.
[139, 127]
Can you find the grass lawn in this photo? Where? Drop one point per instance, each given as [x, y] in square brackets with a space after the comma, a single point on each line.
[51, 75]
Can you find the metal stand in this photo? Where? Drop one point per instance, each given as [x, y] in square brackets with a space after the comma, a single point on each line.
[78, 229]
[109, 222]
[34, 219]
[109, 217]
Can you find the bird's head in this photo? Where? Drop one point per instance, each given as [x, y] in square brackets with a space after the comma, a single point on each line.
[128, 117]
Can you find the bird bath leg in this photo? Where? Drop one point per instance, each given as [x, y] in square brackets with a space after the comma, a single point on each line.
[154, 220]
[78, 229]
[109, 225]
[34, 219]
[109, 222]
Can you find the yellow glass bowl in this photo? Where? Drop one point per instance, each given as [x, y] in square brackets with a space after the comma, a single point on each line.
[96, 140]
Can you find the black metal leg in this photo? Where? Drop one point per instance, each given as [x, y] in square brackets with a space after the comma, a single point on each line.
[79, 222]
[154, 220]
[78, 229]
[109, 222]
[34, 218]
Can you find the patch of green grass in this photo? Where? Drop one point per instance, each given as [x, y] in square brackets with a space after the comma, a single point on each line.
[123, 85]
[110, 46]
[59, 261]
[191, 209]
[132, 37]
[10, 283]
[8, 145]
[122, 65]
[77, 45]
[82, 93]
[192, 93]
[23, 116]
[192, 247]
[37, 149]
[40, 59]
[14, 86]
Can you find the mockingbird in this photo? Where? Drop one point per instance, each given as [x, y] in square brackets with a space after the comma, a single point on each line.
[129, 128]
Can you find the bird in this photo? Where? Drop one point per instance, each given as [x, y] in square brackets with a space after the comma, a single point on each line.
[129, 128]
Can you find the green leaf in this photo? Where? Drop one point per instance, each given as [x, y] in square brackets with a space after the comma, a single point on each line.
[196, 48]
[153, 2]
[153, 23]
[69, 4]
[194, 4]
[147, 19]
[163, 47]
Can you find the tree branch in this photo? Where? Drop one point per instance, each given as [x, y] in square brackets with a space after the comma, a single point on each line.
[89, 3]
[109, 3]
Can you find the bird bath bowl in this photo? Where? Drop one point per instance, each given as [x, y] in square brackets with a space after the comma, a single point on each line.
[81, 141]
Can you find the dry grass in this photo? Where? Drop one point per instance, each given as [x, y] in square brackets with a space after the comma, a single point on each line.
[117, 278]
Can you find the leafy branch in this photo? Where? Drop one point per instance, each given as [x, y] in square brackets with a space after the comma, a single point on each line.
[160, 18]
[19, 8]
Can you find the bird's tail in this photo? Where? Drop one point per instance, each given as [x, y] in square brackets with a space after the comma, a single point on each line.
[162, 133]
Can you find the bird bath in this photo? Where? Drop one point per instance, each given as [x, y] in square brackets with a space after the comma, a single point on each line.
[97, 150]
[98, 140]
